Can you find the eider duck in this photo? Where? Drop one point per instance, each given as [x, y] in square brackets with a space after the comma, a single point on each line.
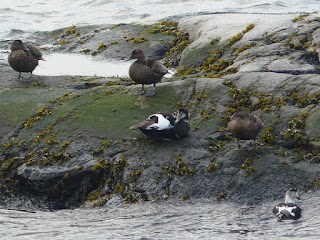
[288, 209]
[146, 70]
[244, 126]
[23, 57]
[166, 126]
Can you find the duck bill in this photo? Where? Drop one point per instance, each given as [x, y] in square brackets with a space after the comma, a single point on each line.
[233, 115]
[179, 115]
[298, 196]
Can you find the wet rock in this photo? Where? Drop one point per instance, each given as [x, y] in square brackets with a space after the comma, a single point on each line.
[218, 136]
[311, 125]
[316, 36]
[286, 66]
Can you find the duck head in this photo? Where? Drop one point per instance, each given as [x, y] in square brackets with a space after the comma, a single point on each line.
[241, 112]
[18, 45]
[137, 54]
[291, 196]
[182, 114]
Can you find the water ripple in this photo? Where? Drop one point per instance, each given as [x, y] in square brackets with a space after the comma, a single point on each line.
[54, 14]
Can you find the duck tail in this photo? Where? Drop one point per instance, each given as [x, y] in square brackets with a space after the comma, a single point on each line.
[139, 125]
[134, 127]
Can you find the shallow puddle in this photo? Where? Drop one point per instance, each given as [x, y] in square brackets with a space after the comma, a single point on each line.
[58, 64]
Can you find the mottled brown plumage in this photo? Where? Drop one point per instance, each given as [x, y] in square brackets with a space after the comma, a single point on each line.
[23, 57]
[146, 70]
[244, 126]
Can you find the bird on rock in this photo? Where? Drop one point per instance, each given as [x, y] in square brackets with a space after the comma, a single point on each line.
[146, 70]
[288, 209]
[23, 57]
[244, 126]
[166, 126]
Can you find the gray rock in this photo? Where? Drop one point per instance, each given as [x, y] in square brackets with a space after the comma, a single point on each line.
[287, 66]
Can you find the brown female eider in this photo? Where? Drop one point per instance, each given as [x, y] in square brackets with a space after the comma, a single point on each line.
[288, 209]
[166, 126]
[244, 126]
[23, 57]
[146, 70]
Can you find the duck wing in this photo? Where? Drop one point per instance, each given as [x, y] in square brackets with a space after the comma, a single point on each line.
[34, 51]
[284, 214]
[257, 122]
[156, 67]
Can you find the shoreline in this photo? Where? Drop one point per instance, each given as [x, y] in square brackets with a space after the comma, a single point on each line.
[175, 18]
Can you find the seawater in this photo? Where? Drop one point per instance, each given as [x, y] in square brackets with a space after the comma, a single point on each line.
[166, 220]
[18, 17]
[21, 18]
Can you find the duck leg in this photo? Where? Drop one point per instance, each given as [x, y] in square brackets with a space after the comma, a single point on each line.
[153, 91]
[30, 76]
[238, 143]
[142, 91]
[254, 144]
[20, 77]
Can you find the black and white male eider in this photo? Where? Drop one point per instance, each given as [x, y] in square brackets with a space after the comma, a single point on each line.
[288, 209]
[167, 126]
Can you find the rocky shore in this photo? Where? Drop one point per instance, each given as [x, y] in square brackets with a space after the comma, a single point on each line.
[66, 142]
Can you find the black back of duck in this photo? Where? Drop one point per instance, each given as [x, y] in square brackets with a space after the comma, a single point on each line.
[35, 52]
